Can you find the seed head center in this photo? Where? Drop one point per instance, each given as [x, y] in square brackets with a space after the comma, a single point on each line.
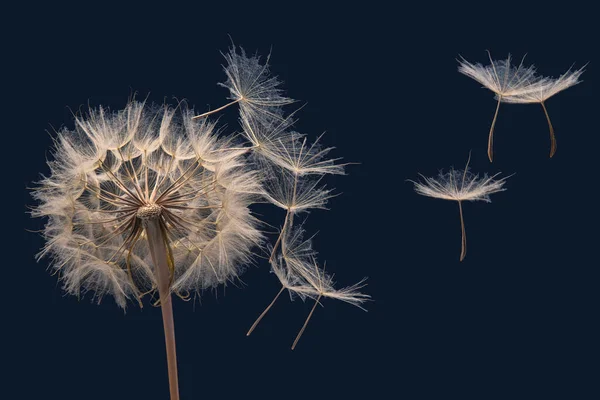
[149, 211]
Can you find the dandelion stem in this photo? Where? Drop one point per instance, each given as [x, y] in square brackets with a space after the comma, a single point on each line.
[289, 218]
[463, 250]
[217, 109]
[160, 257]
[264, 312]
[285, 222]
[491, 138]
[294, 194]
[306, 322]
[552, 137]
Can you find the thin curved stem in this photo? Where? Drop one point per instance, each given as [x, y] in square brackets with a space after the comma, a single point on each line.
[306, 322]
[160, 257]
[463, 241]
[255, 324]
[491, 137]
[217, 109]
[552, 137]
[285, 223]
[288, 221]
[294, 194]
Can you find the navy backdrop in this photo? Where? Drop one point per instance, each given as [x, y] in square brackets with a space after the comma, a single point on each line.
[516, 319]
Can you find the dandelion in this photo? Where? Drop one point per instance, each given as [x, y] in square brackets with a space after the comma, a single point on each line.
[504, 79]
[151, 201]
[146, 200]
[548, 88]
[459, 186]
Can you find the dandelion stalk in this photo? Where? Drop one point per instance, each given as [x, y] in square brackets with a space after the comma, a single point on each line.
[160, 256]
[491, 137]
[463, 241]
[255, 324]
[463, 250]
[206, 114]
[306, 322]
[552, 137]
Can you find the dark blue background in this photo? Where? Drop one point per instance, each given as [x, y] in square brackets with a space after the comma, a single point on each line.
[516, 319]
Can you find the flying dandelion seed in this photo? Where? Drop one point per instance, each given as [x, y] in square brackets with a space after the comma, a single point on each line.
[298, 272]
[547, 88]
[459, 186]
[504, 79]
[292, 168]
[316, 283]
[251, 85]
[295, 172]
[150, 201]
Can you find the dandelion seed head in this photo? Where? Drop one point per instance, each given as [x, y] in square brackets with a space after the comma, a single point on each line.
[115, 171]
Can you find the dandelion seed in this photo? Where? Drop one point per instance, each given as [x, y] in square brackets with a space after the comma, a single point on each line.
[252, 86]
[292, 168]
[318, 284]
[504, 79]
[459, 186]
[547, 88]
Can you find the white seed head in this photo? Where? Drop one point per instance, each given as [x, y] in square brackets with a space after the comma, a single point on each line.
[115, 171]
